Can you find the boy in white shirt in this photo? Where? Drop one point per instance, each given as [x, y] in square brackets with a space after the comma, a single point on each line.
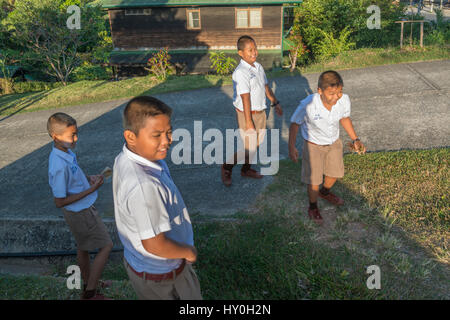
[319, 116]
[151, 217]
[250, 91]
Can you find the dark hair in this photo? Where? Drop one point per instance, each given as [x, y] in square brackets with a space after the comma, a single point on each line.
[242, 41]
[139, 109]
[58, 122]
[330, 78]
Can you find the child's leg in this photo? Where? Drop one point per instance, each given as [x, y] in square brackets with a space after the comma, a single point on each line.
[97, 267]
[334, 165]
[313, 193]
[252, 142]
[313, 210]
[329, 182]
[229, 164]
[327, 195]
[84, 264]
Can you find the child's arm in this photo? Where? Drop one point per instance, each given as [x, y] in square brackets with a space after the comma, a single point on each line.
[167, 248]
[273, 99]
[61, 202]
[293, 152]
[246, 102]
[348, 127]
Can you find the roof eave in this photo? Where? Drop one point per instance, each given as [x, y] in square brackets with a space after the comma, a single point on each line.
[215, 4]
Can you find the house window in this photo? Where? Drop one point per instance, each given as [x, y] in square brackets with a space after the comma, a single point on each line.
[249, 18]
[193, 19]
[138, 12]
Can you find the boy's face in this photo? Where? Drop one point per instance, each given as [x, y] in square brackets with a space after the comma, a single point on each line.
[67, 139]
[330, 95]
[249, 53]
[153, 140]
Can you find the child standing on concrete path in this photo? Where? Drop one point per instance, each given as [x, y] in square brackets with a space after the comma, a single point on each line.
[152, 220]
[76, 193]
[319, 116]
[250, 91]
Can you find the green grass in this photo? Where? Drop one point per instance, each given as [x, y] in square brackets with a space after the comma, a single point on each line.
[369, 57]
[395, 216]
[410, 189]
[85, 92]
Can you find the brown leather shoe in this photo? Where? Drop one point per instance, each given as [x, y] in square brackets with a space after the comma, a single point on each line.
[250, 173]
[226, 176]
[315, 216]
[332, 198]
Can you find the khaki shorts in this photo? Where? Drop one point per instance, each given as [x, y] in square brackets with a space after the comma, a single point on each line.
[88, 229]
[184, 287]
[318, 161]
[259, 120]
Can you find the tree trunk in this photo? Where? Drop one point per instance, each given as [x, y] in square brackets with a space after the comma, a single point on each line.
[293, 59]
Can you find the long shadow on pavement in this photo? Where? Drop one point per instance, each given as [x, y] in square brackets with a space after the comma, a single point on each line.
[29, 220]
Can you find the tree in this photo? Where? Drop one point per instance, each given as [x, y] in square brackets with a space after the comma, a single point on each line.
[296, 46]
[324, 21]
[6, 6]
[41, 27]
[6, 82]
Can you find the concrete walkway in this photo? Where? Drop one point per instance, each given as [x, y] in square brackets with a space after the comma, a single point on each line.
[393, 107]
[428, 14]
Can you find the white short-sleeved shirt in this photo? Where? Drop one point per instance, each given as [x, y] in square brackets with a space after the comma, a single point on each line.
[253, 80]
[318, 125]
[146, 203]
[66, 178]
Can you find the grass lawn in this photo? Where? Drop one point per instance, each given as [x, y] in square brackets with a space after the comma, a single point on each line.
[84, 92]
[396, 216]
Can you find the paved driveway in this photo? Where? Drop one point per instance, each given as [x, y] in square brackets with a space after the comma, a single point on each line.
[393, 107]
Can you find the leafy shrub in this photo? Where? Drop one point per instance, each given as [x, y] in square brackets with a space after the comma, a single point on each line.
[297, 48]
[159, 64]
[89, 71]
[329, 46]
[439, 31]
[6, 86]
[436, 37]
[389, 34]
[102, 50]
[221, 63]
[31, 86]
[333, 16]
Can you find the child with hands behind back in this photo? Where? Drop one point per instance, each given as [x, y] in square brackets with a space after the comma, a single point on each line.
[152, 220]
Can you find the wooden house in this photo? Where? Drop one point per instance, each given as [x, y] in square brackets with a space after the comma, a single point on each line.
[190, 29]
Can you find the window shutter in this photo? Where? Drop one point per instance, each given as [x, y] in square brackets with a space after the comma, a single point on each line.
[242, 19]
[255, 19]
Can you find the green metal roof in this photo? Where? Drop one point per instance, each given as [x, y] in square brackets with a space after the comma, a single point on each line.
[162, 3]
